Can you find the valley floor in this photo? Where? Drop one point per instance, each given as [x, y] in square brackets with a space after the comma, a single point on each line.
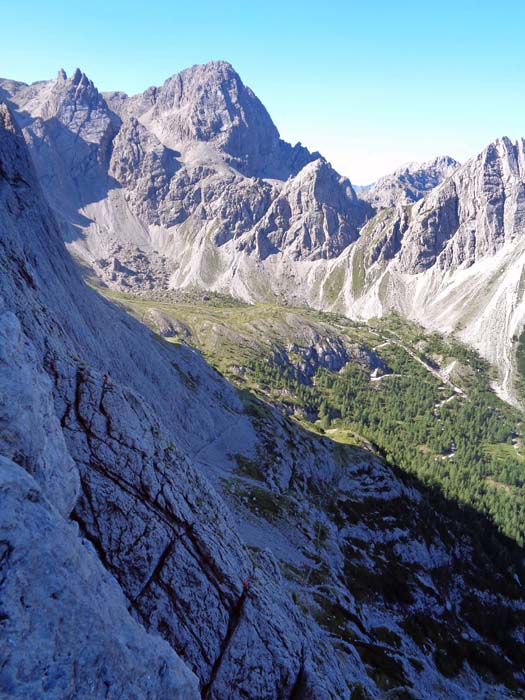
[422, 401]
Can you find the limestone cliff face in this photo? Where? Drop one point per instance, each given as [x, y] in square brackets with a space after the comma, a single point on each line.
[65, 623]
[471, 215]
[66, 628]
[210, 104]
[69, 129]
[139, 495]
[315, 215]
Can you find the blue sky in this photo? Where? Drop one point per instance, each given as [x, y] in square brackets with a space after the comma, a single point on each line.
[369, 84]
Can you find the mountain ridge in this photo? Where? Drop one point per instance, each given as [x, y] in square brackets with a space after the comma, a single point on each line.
[171, 197]
[408, 183]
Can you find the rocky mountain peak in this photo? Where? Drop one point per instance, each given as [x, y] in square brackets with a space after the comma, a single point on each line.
[209, 103]
[74, 102]
[212, 71]
[78, 89]
[409, 183]
[443, 163]
[319, 182]
[470, 215]
[72, 128]
[78, 75]
[506, 156]
[214, 101]
[315, 215]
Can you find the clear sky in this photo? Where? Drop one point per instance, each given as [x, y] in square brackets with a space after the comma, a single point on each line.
[370, 84]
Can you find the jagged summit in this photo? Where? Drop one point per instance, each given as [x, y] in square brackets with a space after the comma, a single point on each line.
[201, 125]
[73, 126]
[80, 78]
[506, 155]
[483, 206]
[408, 183]
[209, 103]
[471, 214]
[63, 98]
[218, 68]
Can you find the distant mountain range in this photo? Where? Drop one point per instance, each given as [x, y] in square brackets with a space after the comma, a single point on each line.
[409, 183]
[189, 185]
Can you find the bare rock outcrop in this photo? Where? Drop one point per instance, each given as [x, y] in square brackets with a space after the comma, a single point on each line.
[471, 215]
[315, 215]
[409, 183]
[65, 626]
[209, 103]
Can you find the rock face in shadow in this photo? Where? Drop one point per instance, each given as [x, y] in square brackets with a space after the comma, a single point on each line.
[69, 129]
